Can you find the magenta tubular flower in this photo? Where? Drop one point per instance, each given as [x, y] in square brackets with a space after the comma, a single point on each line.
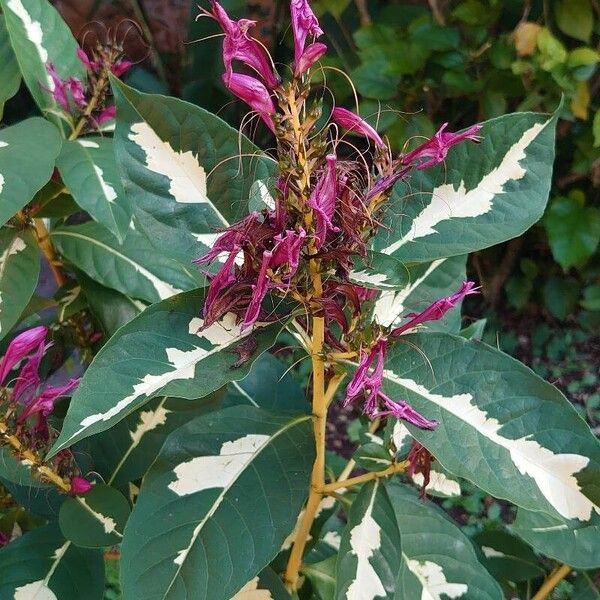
[438, 309]
[22, 345]
[322, 201]
[59, 93]
[253, 93]
[367, 381]
[304, 23]
[77, 91]
[436, 149]
[44, 402]
[121, 67]
[28, 380]
[259, 291]
[402, 410]
[287, 250]
[80, 486]
[85, 60]
[238, 45]
[309, 57]
[220, 281]
[383, 184]
[352, 122]
[107, 114]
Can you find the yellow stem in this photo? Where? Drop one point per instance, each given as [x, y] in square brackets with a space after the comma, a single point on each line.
[92, 104]
[552, 581]
[35, 461]
[46, 246]
[332, 386]
[346, 483]
[373, 427]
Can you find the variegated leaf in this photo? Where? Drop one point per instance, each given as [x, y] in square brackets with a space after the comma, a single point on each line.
[28, 151]
[19, 272]
[228, 484]
[39, 36]
[427, 283]
[501, 426]
[96, 519]
[380, 272]
[570, 541]
[438, 560]
[183, 165]
[162, 352]
[370, 551]
[88, 168]
[483, 194]
[134, 268]
[124, 452]
[10, 76]
[42, 565]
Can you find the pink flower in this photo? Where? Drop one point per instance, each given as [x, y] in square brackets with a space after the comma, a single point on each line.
[119, 68]
[59, 93]
[77, 91]
[322, 201]
[287, 250]
[438, 309]
[368, 380]
[348, 120]
[436, 149]
[85, 60]
[259, 291]
[28, 380]
[253, 93]
[44, 402]
[304, 23]
[80, 486]
[22, 345]
[220, 281]
[309, 57]
[107, 114]
[238, 45]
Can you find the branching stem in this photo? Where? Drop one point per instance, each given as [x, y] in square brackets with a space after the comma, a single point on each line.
[346, 483]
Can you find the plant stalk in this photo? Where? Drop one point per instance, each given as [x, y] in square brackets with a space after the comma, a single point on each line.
[552, 581]
[346, 483]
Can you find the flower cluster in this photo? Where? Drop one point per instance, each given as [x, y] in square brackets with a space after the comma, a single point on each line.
[77, 97]
[29, 402]
[328, 204]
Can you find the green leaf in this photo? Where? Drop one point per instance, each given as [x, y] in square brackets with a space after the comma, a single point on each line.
[428, 282]
[442, 484]
[507, 558]
[88, 168]
[111, 308]
[269, 385]
[573, 231]
[133, 268]
[575, 18]
[322, 577]
[39, 36]
[222, 496]
[482, 195]
[42, 565]
[591, 297]
[569, 541]
[28, 151]
[490, 408]
[10, 76]
[380, 272]
[561, 296]
[584, 56]
[124, 452]
[370, 550]
[178, 162]
[552, 51]
[585, 587]
[19, 272]
[596, 129]
[162, 352]
[438, 560]
[96, 519]
[266, 586]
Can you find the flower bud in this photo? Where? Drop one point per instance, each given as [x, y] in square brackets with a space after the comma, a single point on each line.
[348, 120]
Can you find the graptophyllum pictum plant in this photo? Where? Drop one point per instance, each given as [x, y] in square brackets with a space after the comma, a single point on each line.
[192, 445]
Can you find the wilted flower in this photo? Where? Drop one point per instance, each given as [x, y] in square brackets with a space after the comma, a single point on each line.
[348, 120]
[436, 148]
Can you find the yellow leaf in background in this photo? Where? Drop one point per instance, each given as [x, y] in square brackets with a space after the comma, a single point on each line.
[580, 103]
[251, 592]
[526, 35]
